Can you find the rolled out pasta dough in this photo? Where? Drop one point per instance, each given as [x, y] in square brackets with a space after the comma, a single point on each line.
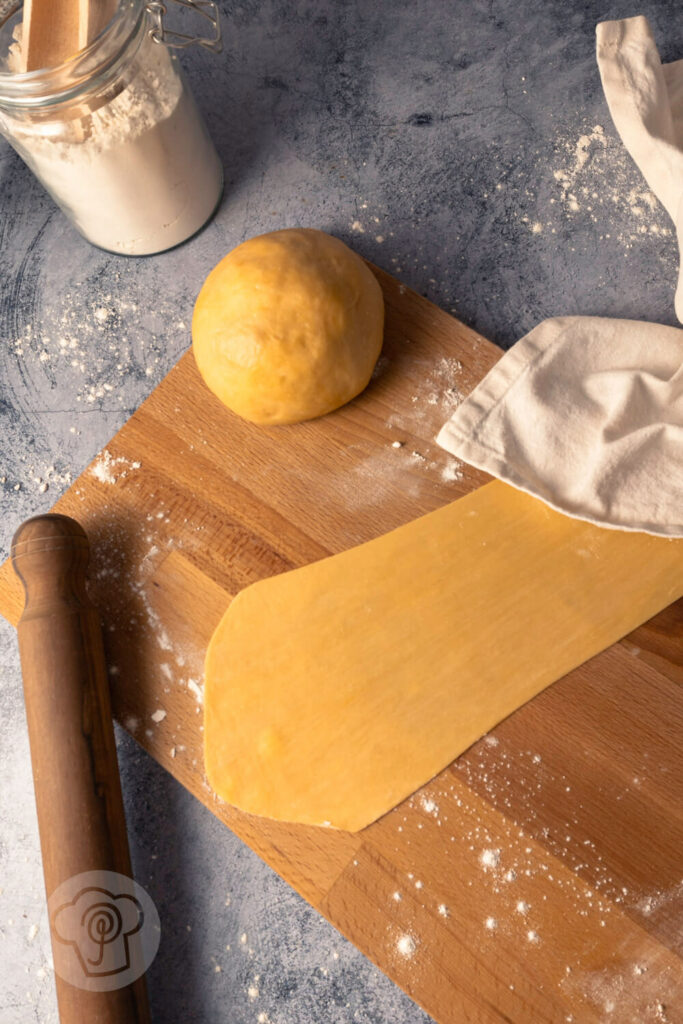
[336, 690]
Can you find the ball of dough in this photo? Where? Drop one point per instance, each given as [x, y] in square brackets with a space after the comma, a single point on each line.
[288, 326]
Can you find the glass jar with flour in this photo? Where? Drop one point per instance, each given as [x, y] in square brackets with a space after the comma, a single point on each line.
[113, 133]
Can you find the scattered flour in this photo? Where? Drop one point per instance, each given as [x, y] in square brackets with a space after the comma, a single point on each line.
[428, 805]
[105, 468]
[490, 858]
[406, 946]
[452, 471]
[584, 150]
[195, 689]
[40, 479]
[158, 716]
[596, 182]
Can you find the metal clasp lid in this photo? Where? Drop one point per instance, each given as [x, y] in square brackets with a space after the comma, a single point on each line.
[179, 40]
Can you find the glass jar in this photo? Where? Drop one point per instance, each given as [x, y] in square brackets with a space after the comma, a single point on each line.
[114, 134]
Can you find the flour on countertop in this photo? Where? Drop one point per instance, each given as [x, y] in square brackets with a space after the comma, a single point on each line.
[87, 352]
[596, 182]
[584, 150]
[39, 479]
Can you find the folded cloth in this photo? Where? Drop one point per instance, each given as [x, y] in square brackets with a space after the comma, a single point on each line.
[585, 413]
[645, 98]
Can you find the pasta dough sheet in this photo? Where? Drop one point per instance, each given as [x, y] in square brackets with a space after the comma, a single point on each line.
[336, 690]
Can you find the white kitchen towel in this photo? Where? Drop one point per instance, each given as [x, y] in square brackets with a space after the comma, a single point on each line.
[645, 98]
[585, 413]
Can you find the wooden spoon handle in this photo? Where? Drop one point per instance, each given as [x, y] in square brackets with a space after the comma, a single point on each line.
[73, 753]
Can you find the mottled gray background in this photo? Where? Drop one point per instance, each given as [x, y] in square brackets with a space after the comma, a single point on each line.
[464, 146]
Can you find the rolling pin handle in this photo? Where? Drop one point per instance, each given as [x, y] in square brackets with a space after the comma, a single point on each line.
[50, 555]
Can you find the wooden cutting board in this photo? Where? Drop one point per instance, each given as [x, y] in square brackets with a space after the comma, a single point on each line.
[538, 878]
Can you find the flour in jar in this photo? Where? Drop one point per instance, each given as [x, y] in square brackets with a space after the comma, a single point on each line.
[136, 174]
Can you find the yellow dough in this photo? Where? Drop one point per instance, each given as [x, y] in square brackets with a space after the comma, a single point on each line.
[288, 326]
[336, 690]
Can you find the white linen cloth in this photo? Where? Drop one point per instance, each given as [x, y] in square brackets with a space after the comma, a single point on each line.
[585, 413]
[645, 99]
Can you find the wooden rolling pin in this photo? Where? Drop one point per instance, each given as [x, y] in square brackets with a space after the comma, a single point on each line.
[73, 753]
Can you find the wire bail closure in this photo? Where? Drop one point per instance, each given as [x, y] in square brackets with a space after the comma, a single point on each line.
[180, 40]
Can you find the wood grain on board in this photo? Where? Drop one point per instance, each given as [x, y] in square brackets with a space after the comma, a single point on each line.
[538, 878]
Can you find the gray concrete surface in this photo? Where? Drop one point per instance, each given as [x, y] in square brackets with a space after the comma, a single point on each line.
[467, 148]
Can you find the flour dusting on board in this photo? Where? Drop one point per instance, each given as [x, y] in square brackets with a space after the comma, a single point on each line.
[406, 946]
[622, 993]
[490, 858]
[126, 570]
[405, 465]
[109, 470]
[438, 391]
[518, 870]
[429, 806]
